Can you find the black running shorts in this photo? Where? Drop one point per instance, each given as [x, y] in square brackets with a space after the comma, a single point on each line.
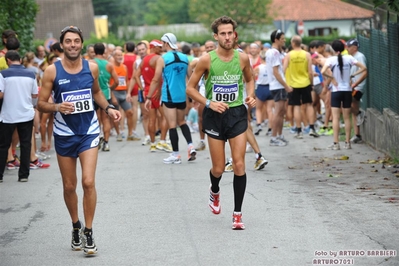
[341, 98]
[301, 96]
[226, 125]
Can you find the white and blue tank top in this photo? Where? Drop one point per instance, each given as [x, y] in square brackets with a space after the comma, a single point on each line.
[76, 88]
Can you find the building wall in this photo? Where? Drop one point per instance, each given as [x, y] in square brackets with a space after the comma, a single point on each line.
[345, 28]
[54, 15]
[188, 29]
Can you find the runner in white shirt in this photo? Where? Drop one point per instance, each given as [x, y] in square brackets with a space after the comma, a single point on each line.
[278, 87]
[339, 67]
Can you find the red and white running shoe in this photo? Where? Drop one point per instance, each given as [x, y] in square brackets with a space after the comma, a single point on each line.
[36, 164]
[237, 221]
[214, 201]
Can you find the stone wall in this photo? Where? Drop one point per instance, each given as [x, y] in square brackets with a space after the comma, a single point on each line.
[381, 131]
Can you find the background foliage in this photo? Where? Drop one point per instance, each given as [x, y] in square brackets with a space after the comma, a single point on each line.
[19, 15]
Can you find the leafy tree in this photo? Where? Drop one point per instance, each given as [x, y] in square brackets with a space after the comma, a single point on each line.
[392, 4]
[20, 16]
[123, 12]
[163, 12]
[117, 11]
[244, 12]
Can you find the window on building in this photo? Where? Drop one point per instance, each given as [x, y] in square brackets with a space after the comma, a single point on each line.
[321, 31]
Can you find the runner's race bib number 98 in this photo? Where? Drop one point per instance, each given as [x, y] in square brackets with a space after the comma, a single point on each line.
[225, 92]
[82, 99]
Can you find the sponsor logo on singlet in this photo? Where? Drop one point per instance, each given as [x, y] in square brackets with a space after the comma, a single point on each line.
[63, 81]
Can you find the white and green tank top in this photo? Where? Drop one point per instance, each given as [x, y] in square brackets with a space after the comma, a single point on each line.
[225, 80]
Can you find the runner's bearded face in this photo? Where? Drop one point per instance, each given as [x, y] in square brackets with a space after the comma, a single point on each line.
[225, 36]
[72, 46]
[118, 56]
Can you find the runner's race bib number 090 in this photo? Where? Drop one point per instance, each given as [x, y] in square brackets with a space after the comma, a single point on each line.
[225, 92]
[82, 99]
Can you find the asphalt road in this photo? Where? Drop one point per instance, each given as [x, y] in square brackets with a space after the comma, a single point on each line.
[300, 209]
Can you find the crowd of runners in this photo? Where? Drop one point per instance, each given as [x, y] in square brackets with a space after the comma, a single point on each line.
[218, 89]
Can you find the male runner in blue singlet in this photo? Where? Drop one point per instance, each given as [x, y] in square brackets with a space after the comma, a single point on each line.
[74, 84]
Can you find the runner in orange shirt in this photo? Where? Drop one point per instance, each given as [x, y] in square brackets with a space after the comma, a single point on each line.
[120, 93]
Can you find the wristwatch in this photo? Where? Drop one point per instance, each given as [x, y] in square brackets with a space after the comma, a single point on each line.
[109, 106]
[207, 103]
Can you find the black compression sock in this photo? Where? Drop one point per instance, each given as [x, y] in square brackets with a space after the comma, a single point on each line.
[174, 139]
[239, 185]
[214, 182]
[186, 133]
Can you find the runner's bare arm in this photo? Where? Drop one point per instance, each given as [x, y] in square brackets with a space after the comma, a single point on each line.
[157, 77]
[286, 62]
[126, 77]
[114, 76]
[43, 104]
[137, 75]
[126, 81]
[326, 72]
[362, 70]
[98, 96]
[189, 72]
[201, 68]
[249, 79]
[132, 82]
[155, 81]
[280, 79]
[194, 63]
[310, 70]
[256, 72]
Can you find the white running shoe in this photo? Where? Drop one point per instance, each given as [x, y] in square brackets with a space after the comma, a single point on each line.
[334, 147]
[146, 141]
[172, 159]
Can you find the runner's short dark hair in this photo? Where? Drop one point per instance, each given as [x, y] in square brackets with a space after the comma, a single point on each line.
[223, 20]
[57, 47]
[12, 43]
[186, 49]
[313, 44]
[276, 35]
[6, 34]
[130, 46]
[99, 48]
[13, 55]
[71, 29]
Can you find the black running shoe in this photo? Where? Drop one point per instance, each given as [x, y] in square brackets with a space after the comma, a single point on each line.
[89, 247]
[77, 234]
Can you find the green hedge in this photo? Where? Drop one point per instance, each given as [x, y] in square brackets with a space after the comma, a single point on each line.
[181, 36]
